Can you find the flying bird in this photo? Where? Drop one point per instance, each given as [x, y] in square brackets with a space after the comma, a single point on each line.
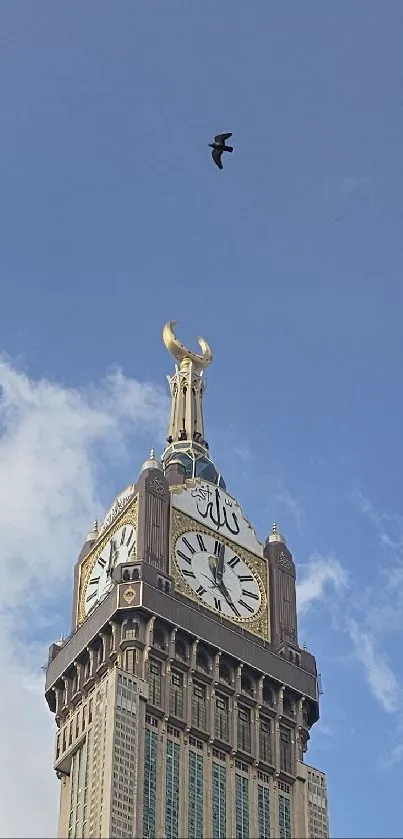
[219, 146]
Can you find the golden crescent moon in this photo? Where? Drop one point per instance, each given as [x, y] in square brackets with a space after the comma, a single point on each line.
[180, 352]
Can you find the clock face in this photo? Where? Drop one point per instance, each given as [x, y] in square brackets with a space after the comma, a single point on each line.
[119, 548]
[222, 580]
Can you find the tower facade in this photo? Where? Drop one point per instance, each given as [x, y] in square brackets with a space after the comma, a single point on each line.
[182, 698]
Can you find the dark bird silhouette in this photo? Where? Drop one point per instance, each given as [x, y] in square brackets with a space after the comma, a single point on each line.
[219, 146]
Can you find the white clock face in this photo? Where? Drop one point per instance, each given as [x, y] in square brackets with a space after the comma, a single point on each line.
[121, 547]
[221, 579]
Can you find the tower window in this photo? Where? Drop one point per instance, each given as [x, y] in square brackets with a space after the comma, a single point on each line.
[268, 694]
[199, 706]
[130, 629]
[130, 660]
[225, 672]
[244, 729]
[285, 749]
[202, 661]
[159, 638]
[87, 669]
[288, 704]
[74, 687]
[181, 650]
[99, 653]
[155, 683]
[265, 740]
[247, 685]
[221, 727]
[176, 695]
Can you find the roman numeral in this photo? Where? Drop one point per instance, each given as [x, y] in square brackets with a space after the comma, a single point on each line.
[200, 591]
[245, 605]
[187, 573]
[233, 562]
[93, 581]
[235, 610]
[90, 596]
[217, 546]
[217, 604]
[188, 545]
[247, 593]
[184, 557]
[201, 543]
[102, 562]
[245, 578]
[122, 539]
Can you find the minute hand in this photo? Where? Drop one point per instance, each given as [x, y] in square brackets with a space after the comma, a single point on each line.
[220, 564]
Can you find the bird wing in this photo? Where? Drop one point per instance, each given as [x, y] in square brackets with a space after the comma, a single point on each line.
[216, 155]
[221, 138]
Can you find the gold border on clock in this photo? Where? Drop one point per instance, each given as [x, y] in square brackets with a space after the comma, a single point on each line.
[258, 624]
[129, 516]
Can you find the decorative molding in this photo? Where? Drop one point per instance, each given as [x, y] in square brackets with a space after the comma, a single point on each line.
[157, 486]
[119, 504]
[284, 562]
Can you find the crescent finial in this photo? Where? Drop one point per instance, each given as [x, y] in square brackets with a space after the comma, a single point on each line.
[180, 352]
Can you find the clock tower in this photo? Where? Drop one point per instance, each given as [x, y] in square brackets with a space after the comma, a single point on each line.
[182, 699]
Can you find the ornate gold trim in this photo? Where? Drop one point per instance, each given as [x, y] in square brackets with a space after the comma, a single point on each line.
[129, 516]
[259, 623]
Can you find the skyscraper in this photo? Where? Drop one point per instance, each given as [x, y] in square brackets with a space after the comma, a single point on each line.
[182, 698]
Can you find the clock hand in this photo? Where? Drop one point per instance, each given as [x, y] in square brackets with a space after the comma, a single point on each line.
[210, 580]
[220, 564]
[212, 563]
[112, 558]
[226, 595]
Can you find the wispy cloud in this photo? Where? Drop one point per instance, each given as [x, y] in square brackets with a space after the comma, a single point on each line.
[388, 526]
[378, 672]
[321, 574]
[52, 439]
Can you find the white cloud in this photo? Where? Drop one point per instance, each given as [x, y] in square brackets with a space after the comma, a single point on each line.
[321, 573]
[51, 442]
[380, 677]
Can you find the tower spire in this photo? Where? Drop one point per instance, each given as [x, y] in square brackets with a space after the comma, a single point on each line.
[187, 449]
[187, 388]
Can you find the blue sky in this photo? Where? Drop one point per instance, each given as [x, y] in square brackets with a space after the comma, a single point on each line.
[113, 219]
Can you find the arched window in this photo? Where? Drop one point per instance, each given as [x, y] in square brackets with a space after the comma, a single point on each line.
[87, 669]
[225, 672]
[181, 650]
[202, 660]
[247, 684]
[159, 637]
[99, 653]
[288, 704]
[74, 686]
[268, 694]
